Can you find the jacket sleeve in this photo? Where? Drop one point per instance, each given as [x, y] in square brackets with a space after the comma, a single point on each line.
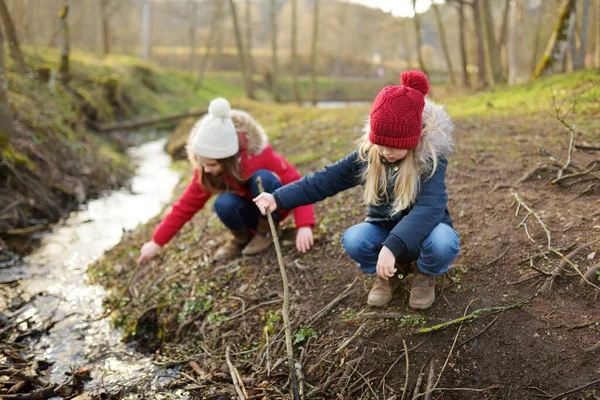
[426, 214]
[319, 185]
[190, 202]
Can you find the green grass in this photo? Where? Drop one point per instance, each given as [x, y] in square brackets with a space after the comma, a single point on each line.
[531, 98]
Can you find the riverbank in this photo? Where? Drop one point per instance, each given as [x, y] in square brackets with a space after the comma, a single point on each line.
[55, 162]
[189, 309]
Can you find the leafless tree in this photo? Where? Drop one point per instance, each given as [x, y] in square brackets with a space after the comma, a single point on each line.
[442, 36]
[463, 44]
[63, 68]
[215, 26]
[578, 53]
[241, 52]
[557, 44]
[7, 128]
[511, 45]
[11, 35]
[294, 51]
[481, 64]
[417, 21]
[248, 44]
[107, 9]
[274, 59]
[313, 52]
[491, 47]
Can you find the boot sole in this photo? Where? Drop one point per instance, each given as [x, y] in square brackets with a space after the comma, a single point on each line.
[378, 304]
[421, 306]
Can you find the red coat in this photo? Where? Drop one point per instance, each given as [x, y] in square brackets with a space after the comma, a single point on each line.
[255, 154]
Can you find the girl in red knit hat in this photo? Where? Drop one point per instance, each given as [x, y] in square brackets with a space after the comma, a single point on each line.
[401, 162]
[228, 150]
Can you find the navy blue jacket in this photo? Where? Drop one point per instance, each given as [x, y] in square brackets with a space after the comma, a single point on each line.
[410, 226]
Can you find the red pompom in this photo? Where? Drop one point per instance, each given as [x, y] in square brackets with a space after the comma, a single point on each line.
[415, 79]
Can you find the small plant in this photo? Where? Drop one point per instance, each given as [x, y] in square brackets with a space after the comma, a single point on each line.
[591, 394]
[412, 320]
[304, 334]
[350, 314]
[272, 320]
[598, 274]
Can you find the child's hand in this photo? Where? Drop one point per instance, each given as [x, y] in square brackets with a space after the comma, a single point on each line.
[304, 239]
[265, 200]
[386, 263]
[148, 251]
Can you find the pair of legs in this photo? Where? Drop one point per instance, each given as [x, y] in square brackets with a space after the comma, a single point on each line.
[434, 255]
[241, 216]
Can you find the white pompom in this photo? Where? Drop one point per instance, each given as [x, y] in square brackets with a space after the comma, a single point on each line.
[219, 108]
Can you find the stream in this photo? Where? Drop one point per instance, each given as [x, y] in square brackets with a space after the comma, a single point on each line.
[54, 275]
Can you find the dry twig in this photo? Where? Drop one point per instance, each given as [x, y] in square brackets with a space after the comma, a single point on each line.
[235, 377]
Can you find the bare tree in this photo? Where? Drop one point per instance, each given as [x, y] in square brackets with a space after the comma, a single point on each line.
[274, 60]
[63, 68]
[480, 45]
[511, 48]
[241, 52]
[313, 52]
[11, 35]
[215, 25]
[7, 128]
[442, 35]
[294, 52]
[557, 44]
[597, 61]
[248, 44]
[578, 53]
[491, 47]
[505, 22]
[107, 10]
[417, 21]
[145, 32]
[541, 11]
[463, 45]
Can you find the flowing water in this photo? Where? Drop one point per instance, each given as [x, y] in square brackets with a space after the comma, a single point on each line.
[55, 276]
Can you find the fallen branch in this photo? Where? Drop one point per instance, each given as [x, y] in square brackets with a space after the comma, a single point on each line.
[40, 394]
[482, 312]
[481, 332]
[405, 387]
[375, 315]
[127, 125]
[558, 396]
[584, 147]
[351, 338]
[235, 377]
[286, 302]
[499, 257]
[333, 303]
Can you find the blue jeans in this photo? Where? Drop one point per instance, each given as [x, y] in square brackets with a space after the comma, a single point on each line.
[236, 211]
[434, 254]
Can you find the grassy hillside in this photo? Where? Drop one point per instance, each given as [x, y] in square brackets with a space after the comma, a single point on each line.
[54, 162]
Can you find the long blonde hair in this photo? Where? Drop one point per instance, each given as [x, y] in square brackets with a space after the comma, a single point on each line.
[375, 177]
[217, 184]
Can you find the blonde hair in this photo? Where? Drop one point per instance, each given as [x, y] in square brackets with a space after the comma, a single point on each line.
[217, 184]
[407, 178]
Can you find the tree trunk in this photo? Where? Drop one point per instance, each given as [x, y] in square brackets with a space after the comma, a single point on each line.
[578, 54]
[442, 35]
[492, 48]
[417, 20]
[214, 25]
[7, 128]
[480, 46]
[104, 27]
[511, 48]
[538, 27]
[463, 45]
[241, 52]
[248, 47]
[145, 34]
[597, 58]
[11, 35]
[63, 68]
[193, 15]
[294, 60]
[557, 44]
[274, 60]
[313, 52]
[505, 22]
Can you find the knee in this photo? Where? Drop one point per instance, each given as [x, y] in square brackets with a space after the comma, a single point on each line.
[225, 203]
[356, 243]
[441, 246]
[270, 181]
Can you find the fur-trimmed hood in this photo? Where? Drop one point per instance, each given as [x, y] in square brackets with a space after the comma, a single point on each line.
[436, 138]
[253, 139]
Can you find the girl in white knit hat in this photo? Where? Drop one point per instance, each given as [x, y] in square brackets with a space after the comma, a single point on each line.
[228, 150]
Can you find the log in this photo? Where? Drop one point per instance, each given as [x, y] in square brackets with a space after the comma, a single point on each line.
[139, 123]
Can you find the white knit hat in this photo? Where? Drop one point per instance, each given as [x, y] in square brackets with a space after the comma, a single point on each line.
[214, 135]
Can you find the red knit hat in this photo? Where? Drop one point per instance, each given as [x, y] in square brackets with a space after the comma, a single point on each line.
[397, 113]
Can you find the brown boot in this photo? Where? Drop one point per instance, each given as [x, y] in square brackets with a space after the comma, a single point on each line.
[382, 291]
[263, 238]
[422, 294]
[233, 247]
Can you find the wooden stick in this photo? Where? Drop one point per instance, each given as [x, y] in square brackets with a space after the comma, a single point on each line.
[499, 257]
[405, 387]
[238, 385]
[331, 304]
[351, 338]
[286, 301]
[558, 396]
[583, 147]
